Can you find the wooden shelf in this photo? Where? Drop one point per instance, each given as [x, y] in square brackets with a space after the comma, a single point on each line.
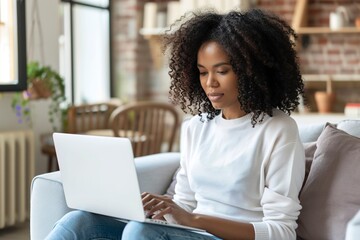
[327, 30]
[149, 32]
[333, 77]
[299, 22]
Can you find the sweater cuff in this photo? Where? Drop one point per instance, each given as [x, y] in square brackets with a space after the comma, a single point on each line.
[261, 231]
[184, 206]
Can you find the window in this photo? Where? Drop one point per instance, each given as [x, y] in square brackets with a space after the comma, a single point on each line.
[87, 48]
[12, 45]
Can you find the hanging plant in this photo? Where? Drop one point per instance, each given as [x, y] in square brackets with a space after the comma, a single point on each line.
[20, 104]
[43, 83]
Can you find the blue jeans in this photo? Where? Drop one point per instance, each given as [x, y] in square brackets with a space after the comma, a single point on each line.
[80, 225]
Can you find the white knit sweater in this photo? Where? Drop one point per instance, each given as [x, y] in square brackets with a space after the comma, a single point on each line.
[231, 170]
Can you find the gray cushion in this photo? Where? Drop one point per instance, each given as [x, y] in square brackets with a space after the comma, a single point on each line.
[310, 149]
[331, 194]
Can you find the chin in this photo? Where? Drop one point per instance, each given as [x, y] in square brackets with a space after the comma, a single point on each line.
[217, 106]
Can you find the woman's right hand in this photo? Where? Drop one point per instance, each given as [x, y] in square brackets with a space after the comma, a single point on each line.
[157, 206]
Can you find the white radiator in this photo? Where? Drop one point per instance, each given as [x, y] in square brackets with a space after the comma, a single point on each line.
[17, 168]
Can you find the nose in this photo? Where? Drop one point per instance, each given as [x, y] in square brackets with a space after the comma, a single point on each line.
[211, 81]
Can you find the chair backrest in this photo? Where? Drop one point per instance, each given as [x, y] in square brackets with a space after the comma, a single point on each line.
[85, 117]
[151, 126]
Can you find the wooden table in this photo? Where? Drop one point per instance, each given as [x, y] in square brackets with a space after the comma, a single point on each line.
[48, 149]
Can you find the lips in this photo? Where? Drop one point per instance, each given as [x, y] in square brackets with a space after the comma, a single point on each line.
[213, 97]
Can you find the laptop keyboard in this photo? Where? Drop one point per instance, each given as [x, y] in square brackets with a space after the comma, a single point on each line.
[157, 221]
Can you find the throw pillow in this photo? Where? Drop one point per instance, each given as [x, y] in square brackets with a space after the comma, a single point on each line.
[309, 155]
[331, 194]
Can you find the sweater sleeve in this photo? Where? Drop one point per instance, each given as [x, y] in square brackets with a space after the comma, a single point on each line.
[284, 176]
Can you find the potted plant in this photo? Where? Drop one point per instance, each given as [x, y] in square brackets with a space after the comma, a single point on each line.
[43, 83]
[325, 100]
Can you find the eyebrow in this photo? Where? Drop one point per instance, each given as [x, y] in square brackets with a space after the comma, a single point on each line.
[216, 65]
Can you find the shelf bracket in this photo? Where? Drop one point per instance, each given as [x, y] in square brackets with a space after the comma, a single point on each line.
[300, 14]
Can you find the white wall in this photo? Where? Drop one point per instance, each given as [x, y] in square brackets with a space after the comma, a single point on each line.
[50, 23]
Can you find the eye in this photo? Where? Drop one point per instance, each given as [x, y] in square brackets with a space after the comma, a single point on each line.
[203, 73]
[222, 72]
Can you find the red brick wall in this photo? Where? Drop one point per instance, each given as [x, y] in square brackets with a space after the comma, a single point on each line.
[137, 78]
[332, 54]
[283, 8]
[131, 57]
[323, 53]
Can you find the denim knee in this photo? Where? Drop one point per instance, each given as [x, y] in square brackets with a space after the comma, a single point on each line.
[80, 225]
[141, 231]
[70, 226]
[76, 218]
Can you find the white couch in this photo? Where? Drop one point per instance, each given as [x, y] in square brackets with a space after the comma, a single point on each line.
[155, 174]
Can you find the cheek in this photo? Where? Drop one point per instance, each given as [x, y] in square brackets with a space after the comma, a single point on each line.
[232, 84]
[234, 88]
[232, 92]
[202, 83]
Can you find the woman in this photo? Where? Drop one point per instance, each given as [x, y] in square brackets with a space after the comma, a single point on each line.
[242, 163]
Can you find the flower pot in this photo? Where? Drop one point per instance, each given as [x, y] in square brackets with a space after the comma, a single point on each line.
[324, 101]
[39, 89]
[357, 22]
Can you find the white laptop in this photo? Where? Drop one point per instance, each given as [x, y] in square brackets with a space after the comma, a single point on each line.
[99, 175]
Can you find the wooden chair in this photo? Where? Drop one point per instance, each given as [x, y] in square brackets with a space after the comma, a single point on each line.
[80, 119]
[86, 117]
[151, 126]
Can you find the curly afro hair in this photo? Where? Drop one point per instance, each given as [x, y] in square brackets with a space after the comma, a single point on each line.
[260, 46]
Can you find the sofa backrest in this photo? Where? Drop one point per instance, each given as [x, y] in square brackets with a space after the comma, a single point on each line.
[352, 127]
[311, 132]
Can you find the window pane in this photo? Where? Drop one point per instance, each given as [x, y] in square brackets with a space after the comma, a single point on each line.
[91, 54]
[8, 43]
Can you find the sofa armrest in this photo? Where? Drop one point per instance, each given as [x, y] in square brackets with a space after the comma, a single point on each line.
[155, 171]
[48, 203]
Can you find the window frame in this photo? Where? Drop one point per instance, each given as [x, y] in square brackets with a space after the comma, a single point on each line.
[72, 43]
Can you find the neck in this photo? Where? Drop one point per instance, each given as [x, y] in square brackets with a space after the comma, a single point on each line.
[233, 115]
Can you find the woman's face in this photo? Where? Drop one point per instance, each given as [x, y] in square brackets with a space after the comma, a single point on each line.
[218, 79]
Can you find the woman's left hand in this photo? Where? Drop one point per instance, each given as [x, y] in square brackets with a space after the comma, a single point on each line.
[158, 205]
